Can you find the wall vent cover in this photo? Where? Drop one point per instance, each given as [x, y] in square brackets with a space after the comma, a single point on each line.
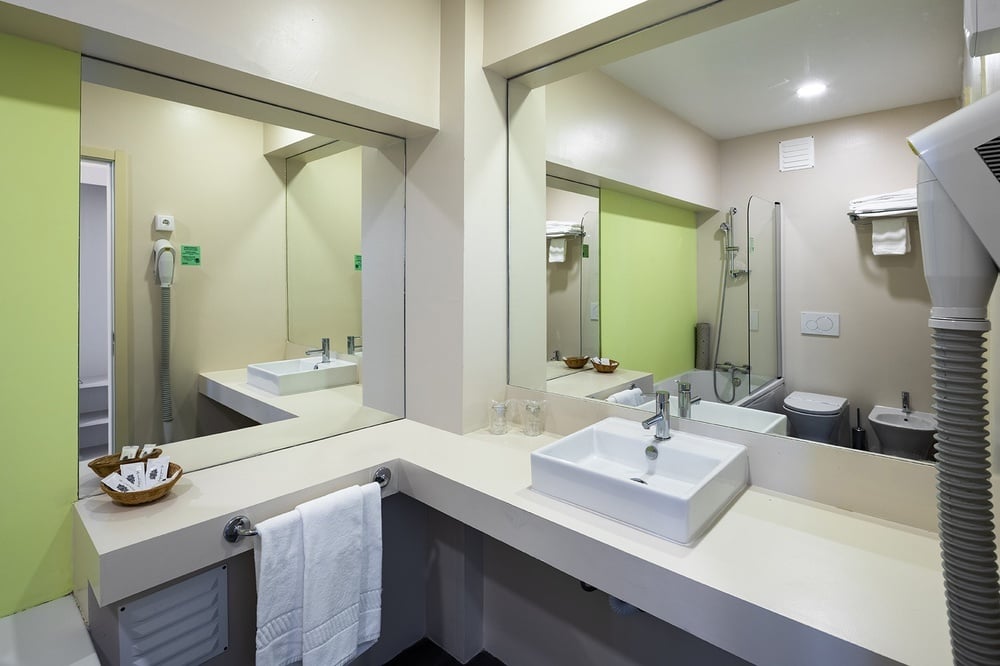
[795, 154]
[990, 153]
[185, 623]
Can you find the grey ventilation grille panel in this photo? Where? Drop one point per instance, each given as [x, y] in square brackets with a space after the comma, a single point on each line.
[795, 154]
[183, 624]
[990, 152]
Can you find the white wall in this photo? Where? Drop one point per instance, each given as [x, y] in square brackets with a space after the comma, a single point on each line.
[456, 314]
[883, 302]
[314, 56]
[596, 125]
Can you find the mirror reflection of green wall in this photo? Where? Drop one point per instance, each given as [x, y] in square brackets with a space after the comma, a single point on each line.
[648, 284]
[323, 199]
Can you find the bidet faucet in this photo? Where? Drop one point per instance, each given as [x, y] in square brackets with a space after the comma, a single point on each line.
[324, 349]
[906, 403]
[662, 416]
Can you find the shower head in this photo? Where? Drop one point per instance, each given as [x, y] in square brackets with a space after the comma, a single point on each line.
[724, 227]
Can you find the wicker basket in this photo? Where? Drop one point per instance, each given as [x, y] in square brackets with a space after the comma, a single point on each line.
[106, 464]
[600, 367]
[576, 362]
[146, 496]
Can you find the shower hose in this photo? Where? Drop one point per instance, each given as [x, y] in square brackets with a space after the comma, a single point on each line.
[166, 400]
[965, 518]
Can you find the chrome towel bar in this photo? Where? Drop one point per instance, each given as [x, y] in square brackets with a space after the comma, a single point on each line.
[240, 526]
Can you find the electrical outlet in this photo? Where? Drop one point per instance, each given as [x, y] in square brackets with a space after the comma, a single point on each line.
[594, 311]
[163, 222]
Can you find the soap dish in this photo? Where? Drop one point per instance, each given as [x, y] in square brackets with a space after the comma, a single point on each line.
[611, 365]
[106, 464]
[134, 497]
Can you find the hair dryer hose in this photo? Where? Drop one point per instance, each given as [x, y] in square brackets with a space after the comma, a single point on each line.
[166, 399]
[968, 549]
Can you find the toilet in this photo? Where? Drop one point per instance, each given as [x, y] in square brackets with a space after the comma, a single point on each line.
[817, 417]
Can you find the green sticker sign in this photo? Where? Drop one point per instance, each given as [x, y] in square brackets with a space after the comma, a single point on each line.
[190, 255]
[357, 262]
[586, 251]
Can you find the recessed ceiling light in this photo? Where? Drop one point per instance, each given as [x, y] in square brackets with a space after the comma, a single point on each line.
[813, 89]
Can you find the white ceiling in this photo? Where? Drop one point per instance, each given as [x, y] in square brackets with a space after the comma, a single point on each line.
[741, 78]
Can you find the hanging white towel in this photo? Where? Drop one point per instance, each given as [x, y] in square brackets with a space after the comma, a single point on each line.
[557, 250]
[279, 562]
[890, 235]
[630, 397]
[340, 566]
[370, 610]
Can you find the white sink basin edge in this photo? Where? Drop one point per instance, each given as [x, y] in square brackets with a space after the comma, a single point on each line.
[693, 480]
[299, 375]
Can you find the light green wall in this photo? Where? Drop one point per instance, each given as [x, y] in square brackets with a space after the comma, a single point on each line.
[648, 284]
[39, 193]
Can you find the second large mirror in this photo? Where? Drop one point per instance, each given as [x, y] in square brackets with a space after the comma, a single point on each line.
[684, 212]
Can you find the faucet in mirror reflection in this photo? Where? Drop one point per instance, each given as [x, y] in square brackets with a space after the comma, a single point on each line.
[324, 349]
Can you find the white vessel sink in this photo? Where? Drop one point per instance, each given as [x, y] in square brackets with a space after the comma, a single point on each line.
[299, 375]
[733, 416]
[604, 468]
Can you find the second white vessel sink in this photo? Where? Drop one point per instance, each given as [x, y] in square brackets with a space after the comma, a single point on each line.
[734, 416]
[605, 468]
[299, 375]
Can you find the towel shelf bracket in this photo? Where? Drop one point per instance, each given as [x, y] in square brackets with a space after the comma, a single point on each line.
[238, 527]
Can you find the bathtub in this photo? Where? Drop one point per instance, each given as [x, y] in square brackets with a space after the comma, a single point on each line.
[768, 393]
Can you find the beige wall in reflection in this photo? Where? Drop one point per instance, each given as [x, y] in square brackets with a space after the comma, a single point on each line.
[206, 169]
[884, 343]
[324, 235]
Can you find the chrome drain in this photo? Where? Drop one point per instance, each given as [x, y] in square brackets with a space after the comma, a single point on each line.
[638, 480]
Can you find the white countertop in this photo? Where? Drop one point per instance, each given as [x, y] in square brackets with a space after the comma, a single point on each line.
[777, 580]
[286, 420]
[588, 382]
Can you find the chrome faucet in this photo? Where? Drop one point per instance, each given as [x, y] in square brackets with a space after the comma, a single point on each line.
[684, 399]
[906, 403]
[662, 416]
[324, 349]
[353, 344]
[556, 356]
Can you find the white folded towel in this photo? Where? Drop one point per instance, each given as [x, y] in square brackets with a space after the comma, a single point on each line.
[905, 199]
[631, 397]
[557, 228]
[557, 250]
[339, 570]
[890, 235]
[279, 562]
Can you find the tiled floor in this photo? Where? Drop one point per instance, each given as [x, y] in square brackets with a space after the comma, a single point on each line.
[52, 634]
[426, 653]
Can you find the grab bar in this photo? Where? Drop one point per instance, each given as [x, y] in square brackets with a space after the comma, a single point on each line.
[240, 526]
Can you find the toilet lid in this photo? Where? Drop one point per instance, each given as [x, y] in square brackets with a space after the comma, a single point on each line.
[814, 403]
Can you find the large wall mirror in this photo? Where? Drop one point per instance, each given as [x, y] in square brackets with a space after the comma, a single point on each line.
[661, 218]
[286, 230]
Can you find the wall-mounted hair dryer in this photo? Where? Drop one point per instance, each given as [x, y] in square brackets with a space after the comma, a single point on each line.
[958, 203]
[164, 258]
